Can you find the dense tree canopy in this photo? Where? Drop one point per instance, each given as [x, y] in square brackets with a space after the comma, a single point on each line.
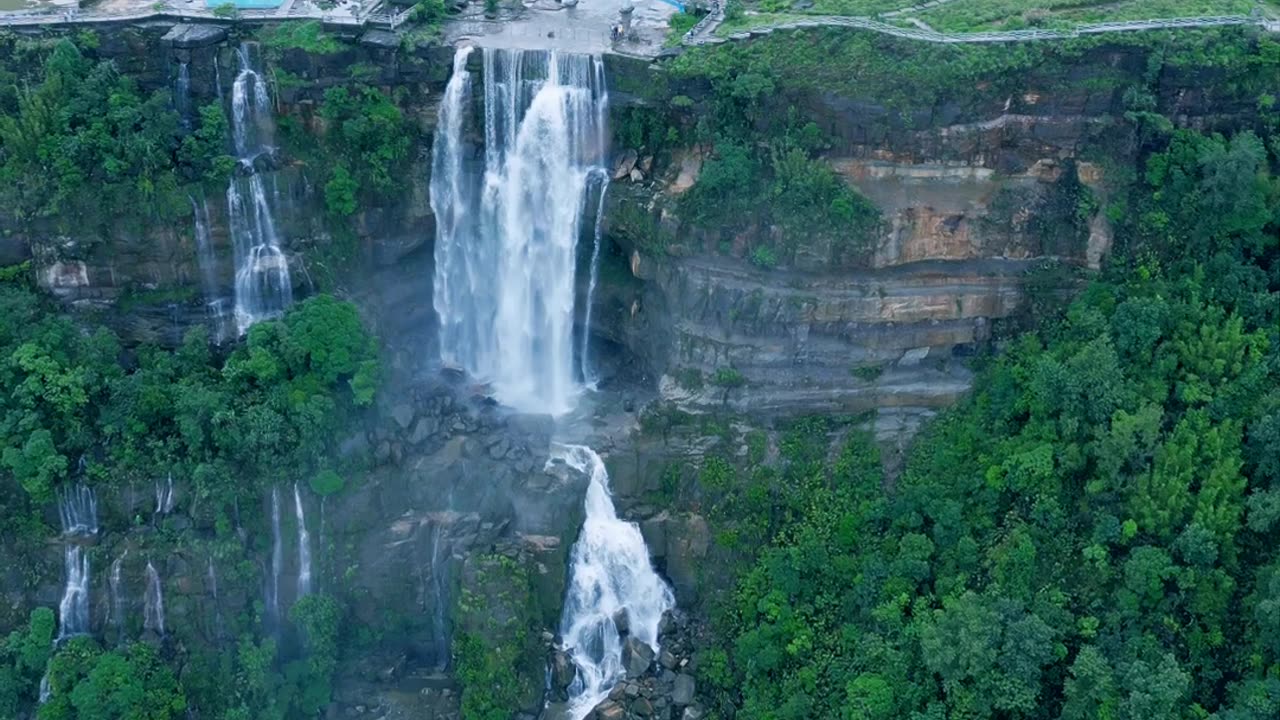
[1091, 535]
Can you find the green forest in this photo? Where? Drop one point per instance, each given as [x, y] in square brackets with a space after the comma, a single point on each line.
[1090, 534]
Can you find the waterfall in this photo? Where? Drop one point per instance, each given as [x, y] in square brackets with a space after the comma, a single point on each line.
[304, 546]
[182, 95]
[263, 288]
[117, 600]
[78, 511]
[609, 572]
[440, 553]
[588, 376]
[207, 261]
[506, 242]
[277, 557]
[73, 609]
[251, 124]
[217, 77]
[164, 496]
[153, 610]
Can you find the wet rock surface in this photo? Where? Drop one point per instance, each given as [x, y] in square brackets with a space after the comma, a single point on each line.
[662, 690]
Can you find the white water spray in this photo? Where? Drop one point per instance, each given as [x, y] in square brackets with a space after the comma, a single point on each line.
[304, 546]
[609, 572]
[505, 246]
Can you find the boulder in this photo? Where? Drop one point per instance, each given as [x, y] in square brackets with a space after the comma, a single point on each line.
[186, 37]
[403, 415]
[622, 621]
[666, 659]
[683, 691]
[562, 670]
[626, 164]
[913, 357]
[608, 710]
[642, 707]
[693, 712]
[637, 656]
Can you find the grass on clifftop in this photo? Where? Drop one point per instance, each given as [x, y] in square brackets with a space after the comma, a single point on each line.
[975, 15]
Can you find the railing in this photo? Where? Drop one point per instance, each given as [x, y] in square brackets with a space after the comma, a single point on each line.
[205, 14]
[703, 32]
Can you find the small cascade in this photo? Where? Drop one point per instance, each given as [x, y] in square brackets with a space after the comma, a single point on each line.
[263, 287]
[440, 554]
[506, 241]
[45, 690]
[182, 95]
[164, 496]
[584, 357]
[78, 511]
[153, 610]
[610, 572]
[304, 546]
[117, 598]
[277, 557]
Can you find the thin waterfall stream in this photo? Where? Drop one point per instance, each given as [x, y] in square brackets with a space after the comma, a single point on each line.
[304, 546]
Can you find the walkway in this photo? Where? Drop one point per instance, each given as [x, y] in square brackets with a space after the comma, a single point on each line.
[704, 32]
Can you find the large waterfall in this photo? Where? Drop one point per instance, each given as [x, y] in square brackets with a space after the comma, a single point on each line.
[507, 238]
[263, 287]
[610, 573]
[78, 511]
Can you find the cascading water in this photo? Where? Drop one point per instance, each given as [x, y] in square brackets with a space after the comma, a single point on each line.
[153, 610]
[506, 242]
[78, 511]
[584, 356]
[263, 287]
[251, 125]
[609, 572]
[304, 546]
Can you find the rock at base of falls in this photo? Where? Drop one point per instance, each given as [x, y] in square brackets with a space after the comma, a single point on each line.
[637, 656]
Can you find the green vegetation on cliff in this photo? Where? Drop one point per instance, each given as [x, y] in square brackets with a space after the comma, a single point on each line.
[80, 145]
[1091, 535]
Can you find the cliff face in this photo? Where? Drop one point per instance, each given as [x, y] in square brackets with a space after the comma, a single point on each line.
[973, 194]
